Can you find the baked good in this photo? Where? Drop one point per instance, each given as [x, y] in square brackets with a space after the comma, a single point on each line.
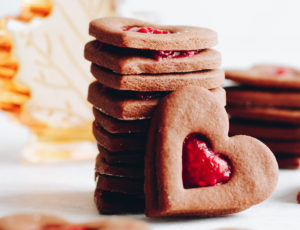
[270, 76]
[188, 122]
[130, 105]
[158, 82]
[265, 130]
[131, 61]
[119, 31]
[249, 96]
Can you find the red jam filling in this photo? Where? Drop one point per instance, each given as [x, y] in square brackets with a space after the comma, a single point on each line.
[61, 227]
[283, 71]
[147, 30]
[201, 166]
[160, 55]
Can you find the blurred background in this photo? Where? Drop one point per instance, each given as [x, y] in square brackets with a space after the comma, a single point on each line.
[45, 40]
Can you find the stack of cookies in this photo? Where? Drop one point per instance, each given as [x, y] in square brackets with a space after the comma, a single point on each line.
[136, 64]
[266, 105]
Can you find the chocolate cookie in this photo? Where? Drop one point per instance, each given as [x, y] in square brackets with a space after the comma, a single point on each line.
[118, 203]
[192, 167]
[288, 162]
[267, 76]
[122, 158]
[124, 32]
[104, 168]
[159, 82]
[119, 142]
[262, 97]
[268, 114]
[120, 184]
[298, 197]
[130, 61]
[286, 146]
[126, 105]
[265, 130]
[113, 125]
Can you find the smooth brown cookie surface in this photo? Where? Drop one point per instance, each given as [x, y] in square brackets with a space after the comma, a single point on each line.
[158, 82]
[268, 114]
[126, 61]
[121, 105]
[112, 30]
[195, 110]
[263, 97]
[267, 76]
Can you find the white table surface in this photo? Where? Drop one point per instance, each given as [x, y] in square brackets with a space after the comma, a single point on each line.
[66, 190]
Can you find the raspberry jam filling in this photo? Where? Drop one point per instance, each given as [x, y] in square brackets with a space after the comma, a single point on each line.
[146, 30]
[61, 227]
[283, 71]
[158, 55]
[201, 166]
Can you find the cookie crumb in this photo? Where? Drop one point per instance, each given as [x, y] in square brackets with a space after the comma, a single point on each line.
[298, 197]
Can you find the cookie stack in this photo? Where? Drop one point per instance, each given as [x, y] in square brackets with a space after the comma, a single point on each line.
[266, 105]
[136, 64]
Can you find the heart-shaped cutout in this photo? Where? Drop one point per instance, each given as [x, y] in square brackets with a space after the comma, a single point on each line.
[200, 165]
[193, 110]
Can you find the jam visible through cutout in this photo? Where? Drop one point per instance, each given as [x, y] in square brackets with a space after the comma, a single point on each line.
[146, 30]
[201, 166]
[158, 55]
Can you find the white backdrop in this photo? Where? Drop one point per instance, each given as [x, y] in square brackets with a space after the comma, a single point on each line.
[257, 31]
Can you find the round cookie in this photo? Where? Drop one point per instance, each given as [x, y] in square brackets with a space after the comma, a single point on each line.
[159, 82]
[242, 95]
[267, 76]
[116, 31]
[265, 114]
[264, 130]
[128, 61]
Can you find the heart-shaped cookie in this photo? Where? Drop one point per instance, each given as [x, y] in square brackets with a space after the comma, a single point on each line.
[45, 222]
[239, 171]
[132, 33]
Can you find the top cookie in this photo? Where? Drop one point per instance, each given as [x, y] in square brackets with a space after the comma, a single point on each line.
[267, 76]
[132, 33]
